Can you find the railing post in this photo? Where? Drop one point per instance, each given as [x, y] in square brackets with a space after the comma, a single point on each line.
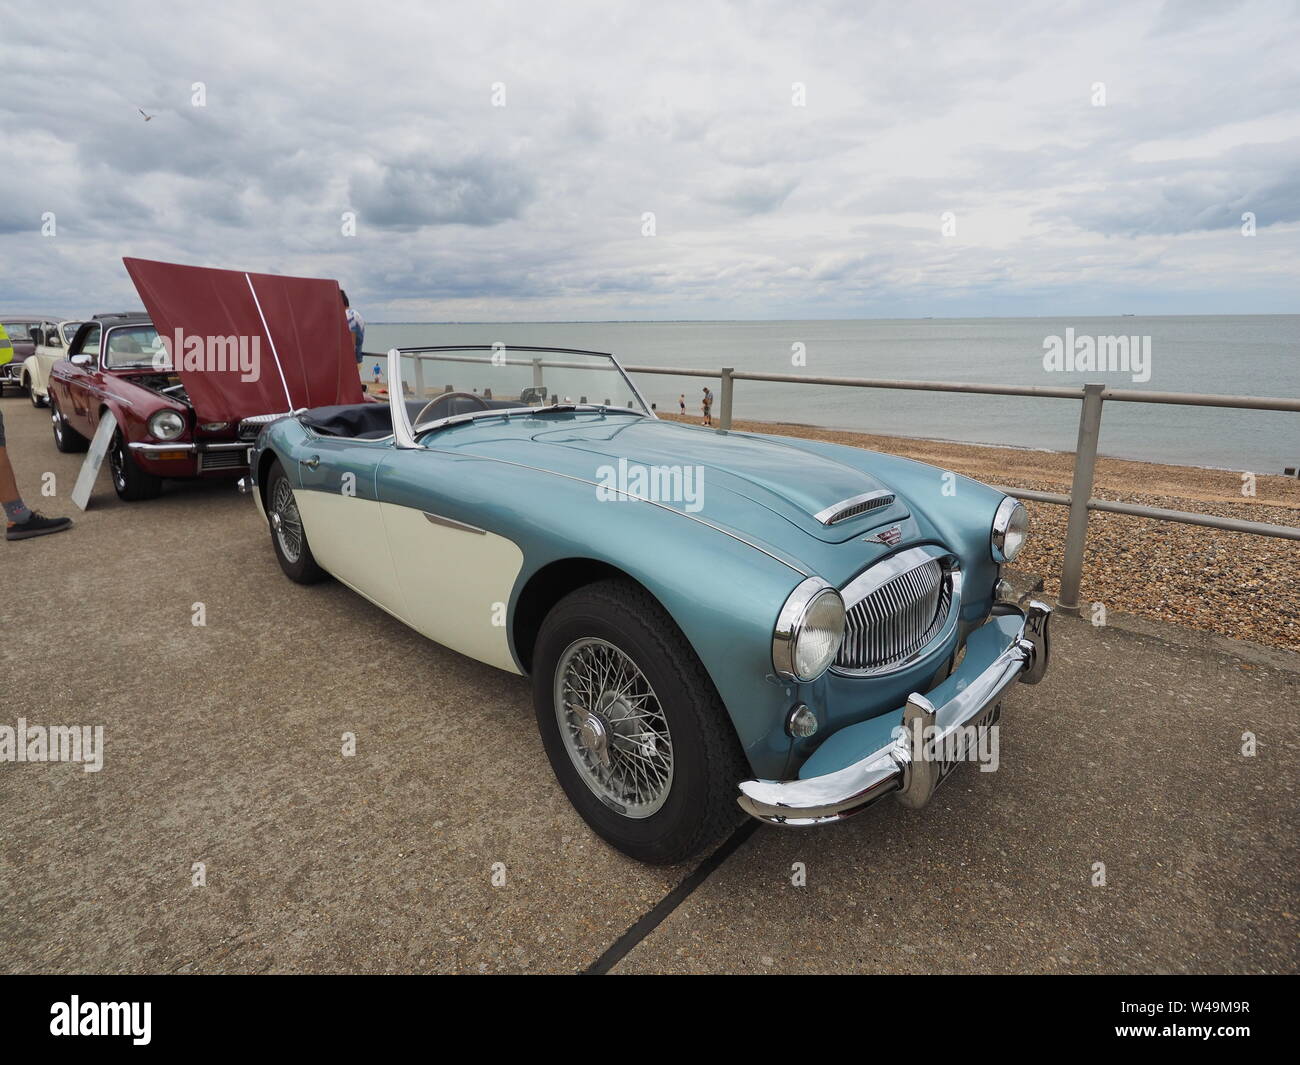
[1076, 528]
[419, 377]
[724, 399]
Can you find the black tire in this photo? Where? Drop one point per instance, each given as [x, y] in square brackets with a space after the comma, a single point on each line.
[707, 762]
[37, 401]
[66, 438]
[303, 568]
[131, 483]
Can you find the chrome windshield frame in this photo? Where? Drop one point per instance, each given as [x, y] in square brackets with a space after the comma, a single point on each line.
[404, 432]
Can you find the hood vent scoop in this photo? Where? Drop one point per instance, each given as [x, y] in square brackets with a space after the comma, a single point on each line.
[851, 508]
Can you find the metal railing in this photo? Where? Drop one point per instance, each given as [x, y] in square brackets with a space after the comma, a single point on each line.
[1080, 499]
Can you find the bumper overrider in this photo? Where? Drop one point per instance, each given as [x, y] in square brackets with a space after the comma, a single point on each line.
[1009, 647]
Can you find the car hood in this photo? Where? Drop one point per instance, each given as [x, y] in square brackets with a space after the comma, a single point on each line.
[728, 473]
[250, 343]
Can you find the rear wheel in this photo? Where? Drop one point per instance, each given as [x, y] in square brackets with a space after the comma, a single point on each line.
[632, 725]
[131, 483]
[288, 536]
[66, 438]
[37, 401]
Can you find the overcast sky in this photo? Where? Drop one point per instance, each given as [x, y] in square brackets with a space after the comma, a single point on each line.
[762, 208]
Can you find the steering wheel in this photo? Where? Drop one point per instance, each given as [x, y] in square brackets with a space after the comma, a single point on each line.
[427, 409]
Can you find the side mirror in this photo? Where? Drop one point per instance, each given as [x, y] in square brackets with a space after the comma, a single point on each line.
[82, 360]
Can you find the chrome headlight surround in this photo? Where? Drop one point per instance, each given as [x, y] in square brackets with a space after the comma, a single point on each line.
[166, 425]
[813, 611]
[1010, 530]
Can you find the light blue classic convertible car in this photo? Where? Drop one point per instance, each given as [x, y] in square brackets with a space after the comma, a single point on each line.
[712, 621]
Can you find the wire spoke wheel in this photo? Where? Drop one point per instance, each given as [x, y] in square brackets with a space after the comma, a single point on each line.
[613, 727]
[286, 521]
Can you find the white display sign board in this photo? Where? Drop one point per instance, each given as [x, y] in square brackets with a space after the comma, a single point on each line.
[94, 459]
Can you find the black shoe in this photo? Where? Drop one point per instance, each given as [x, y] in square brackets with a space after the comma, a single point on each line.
[36, 525]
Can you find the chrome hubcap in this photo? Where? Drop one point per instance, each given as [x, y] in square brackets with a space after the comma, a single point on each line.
[613, 728]
[285, 522]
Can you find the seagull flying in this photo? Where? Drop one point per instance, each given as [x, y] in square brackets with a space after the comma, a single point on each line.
[147, 118]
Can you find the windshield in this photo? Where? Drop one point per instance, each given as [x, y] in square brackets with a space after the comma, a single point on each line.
[468, 380]
[136, 347]
[20, 330]
[69, 331]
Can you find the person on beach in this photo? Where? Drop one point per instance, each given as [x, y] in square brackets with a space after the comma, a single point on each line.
[682, 401]
[706, 405]
[21, 522]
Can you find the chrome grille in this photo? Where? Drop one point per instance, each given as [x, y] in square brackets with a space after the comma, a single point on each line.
[223, 460]
[897, 619]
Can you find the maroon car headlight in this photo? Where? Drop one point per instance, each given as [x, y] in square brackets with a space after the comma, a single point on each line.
[166, 425]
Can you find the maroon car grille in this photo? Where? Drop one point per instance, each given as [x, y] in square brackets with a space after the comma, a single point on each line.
[223, 460]
[897, 619]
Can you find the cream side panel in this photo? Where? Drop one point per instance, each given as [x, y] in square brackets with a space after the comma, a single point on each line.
[346, 535]
[452, 580]
[44, 364]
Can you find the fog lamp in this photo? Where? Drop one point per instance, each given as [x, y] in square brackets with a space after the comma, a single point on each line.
[802, 722]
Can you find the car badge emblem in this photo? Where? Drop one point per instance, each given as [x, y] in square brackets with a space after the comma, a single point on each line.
[889, 537]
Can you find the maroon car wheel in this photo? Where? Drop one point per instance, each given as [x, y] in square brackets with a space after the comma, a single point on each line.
[129, 481]
[66, 438]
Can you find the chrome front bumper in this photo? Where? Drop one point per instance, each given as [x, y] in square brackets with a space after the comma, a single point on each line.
[186, 445]
[901, 768]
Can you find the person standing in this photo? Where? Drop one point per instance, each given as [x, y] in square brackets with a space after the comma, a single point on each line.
[706, 405]
[681, 400]
[356, 324]
[21, 523]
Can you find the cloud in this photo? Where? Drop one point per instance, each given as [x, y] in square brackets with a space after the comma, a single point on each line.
[1178, 197]
[769, 202]
[756, 193]
[426, 191]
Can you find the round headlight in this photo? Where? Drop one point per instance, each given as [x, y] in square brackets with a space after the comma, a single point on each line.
[166, 425]
[1010, 528]
[808, 631]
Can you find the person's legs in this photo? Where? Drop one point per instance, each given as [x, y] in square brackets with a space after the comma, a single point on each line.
[20, 522]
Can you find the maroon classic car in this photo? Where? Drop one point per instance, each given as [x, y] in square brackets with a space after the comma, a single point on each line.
[219, 353]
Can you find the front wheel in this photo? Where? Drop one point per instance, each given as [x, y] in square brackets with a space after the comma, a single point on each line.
[632, 724]
[288, 536]
[37, 400]
[129, 480]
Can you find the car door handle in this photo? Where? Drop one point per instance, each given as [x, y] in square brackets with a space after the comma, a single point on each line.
[310, 463]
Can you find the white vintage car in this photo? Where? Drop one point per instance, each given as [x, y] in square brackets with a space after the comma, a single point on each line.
[35, 374]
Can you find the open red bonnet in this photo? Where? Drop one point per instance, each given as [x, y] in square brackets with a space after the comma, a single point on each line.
[250, 343]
